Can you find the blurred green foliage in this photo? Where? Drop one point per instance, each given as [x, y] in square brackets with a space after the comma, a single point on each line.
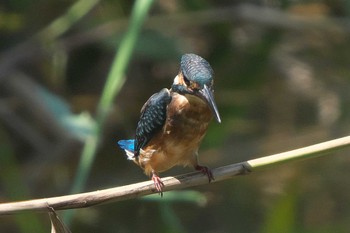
[282, 81]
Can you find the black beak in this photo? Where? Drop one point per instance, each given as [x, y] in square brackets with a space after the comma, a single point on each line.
[208, 96]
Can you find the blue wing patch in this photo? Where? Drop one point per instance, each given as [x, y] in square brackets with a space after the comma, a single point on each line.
[127, 144]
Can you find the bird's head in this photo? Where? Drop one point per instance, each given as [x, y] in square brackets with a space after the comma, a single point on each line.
[196, 78]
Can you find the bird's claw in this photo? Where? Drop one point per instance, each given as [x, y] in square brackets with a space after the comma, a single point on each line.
[206, 171]
[158, 183]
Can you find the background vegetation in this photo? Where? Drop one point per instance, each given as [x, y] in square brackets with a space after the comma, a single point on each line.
[282, 81]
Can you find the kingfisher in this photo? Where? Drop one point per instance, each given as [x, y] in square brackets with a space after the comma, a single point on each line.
[174, 121]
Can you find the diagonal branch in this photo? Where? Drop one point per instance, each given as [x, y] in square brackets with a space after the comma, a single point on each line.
[183, 181]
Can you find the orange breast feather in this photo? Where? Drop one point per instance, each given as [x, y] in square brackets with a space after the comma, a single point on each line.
[177, 143]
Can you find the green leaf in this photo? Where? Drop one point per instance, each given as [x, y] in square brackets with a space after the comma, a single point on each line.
[194, 197]
[79, 125]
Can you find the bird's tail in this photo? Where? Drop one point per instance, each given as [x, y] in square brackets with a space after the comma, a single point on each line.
[128, 146]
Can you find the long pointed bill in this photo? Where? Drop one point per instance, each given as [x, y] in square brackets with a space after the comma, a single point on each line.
[208, 96]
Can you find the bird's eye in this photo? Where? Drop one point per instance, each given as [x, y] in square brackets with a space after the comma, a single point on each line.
[187, 82]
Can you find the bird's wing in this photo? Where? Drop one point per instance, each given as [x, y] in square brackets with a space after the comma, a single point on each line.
[153, 116]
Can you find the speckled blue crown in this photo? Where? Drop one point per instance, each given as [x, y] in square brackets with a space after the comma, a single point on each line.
[196, 68]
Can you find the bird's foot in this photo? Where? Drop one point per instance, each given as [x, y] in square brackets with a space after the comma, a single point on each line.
[206, 171]
[158, 183]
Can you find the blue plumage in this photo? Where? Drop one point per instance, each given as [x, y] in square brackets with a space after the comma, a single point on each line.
[196, 69]
[127, 144]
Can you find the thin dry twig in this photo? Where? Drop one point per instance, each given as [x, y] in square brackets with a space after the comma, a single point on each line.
[265, 16]
[170, 23]
[183, 181]
[123, 192]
